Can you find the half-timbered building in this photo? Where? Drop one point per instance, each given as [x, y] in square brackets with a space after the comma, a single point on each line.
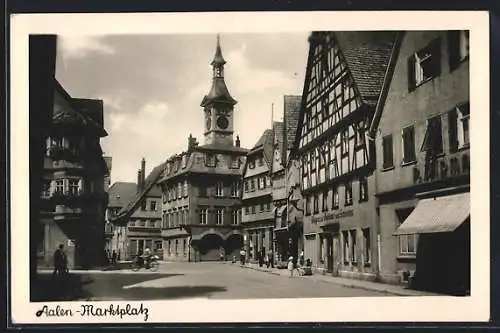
[344, 76]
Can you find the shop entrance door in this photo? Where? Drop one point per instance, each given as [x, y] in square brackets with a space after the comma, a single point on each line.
[329, 253]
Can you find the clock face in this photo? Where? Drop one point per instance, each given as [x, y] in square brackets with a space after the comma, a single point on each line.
[222, 122]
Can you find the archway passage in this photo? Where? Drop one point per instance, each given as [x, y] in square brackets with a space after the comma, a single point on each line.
[233, 245]
[210, 247]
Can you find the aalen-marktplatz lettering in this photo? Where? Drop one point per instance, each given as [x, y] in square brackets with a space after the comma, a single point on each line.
[353, 163]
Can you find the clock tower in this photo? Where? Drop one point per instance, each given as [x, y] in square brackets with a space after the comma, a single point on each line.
[218, 105]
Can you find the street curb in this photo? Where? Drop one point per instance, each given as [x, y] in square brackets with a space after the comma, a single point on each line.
[353, 286]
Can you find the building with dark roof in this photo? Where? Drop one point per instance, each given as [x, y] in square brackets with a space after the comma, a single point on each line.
[138, 220]
[344, 77]
[73, 194]
[201, 186]
[285, 181]
[421, 134]
[258, 217]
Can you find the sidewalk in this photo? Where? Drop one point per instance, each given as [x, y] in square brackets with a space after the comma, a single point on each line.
[350, 283]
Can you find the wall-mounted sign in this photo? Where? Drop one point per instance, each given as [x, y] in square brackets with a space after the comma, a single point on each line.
[332, 217]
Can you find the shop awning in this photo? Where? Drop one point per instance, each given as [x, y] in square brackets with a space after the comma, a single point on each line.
[441, 214]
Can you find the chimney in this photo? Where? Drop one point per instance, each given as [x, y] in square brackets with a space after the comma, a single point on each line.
[237, 141]
[143, 171]
[139, 179]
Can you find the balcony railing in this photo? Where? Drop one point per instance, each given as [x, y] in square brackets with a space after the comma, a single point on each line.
[69, 198]
[58, 153]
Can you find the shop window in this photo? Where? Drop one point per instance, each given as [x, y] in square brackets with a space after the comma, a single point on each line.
[348, 194]
[353, 247]
[346, 246]
[363, 189]
[408, 138]
[407, 244]
[424, 65]
[459, 127]
[367, 256]
[388, 157]
[433, 139]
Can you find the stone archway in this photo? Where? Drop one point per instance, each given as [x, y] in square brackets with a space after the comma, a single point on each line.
[209, 247]
[233, 245]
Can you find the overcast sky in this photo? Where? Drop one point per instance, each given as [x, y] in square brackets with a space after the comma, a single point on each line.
[152, 86]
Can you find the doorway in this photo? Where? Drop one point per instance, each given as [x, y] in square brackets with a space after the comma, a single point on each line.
[329, 253]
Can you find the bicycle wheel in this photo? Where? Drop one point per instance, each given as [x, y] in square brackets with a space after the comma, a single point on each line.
[135, 266]
[154, 266]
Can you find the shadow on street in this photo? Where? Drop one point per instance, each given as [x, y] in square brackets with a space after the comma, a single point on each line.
[80, 287]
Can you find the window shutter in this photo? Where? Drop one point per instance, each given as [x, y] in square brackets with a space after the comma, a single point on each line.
[411, 73]
[436, 57]
[453, 49]
[452, 130]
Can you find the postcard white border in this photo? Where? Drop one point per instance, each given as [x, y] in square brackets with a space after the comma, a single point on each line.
[384, 309]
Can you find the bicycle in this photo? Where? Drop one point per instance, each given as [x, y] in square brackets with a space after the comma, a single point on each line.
[151, 264]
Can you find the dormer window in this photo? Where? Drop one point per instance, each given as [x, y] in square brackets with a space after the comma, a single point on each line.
[424, 65]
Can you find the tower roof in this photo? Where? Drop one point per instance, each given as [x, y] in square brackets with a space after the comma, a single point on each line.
[218, 58]
[219, 91]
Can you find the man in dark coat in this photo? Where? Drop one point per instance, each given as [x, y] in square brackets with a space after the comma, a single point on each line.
[60, 262]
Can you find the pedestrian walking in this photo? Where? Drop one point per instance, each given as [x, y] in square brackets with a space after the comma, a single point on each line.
[290, 266]
[266, 260]
[301, 258]
[242, 256]
[60, 262]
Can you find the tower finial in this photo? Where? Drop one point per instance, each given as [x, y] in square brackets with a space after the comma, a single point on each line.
[218, 59]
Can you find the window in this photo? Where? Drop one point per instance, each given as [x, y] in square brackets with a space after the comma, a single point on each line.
[335, 198]
[235, 162]
[152, 205]
[348, 194]
[353, 248]
[407, 243]
[235, 189]
[247, 210]
[262, 183]
[424, 65]
[388, 159]
[246, 186]
[219, 191]
[219, 216]
[345, 142]
[367, 257]
[251, 164]
[59, 186]
[252, 208]
[185, 188]
[459, 127]
[408, 144]
[252, 185]
[260, 161]
[363, 189]
[268, 206]
[261, 208]
[143, 205]
[234, 217]
[433, 139]
[324, 204]
[45, 193]
[346, 252]
[268, 181]
[179, 190]
[316, 204]
[308, 205]
[458, 47]
[73, 186]
[203, 215]
[210, 161]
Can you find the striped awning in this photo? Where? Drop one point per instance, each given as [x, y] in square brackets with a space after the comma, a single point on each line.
[441, 214]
